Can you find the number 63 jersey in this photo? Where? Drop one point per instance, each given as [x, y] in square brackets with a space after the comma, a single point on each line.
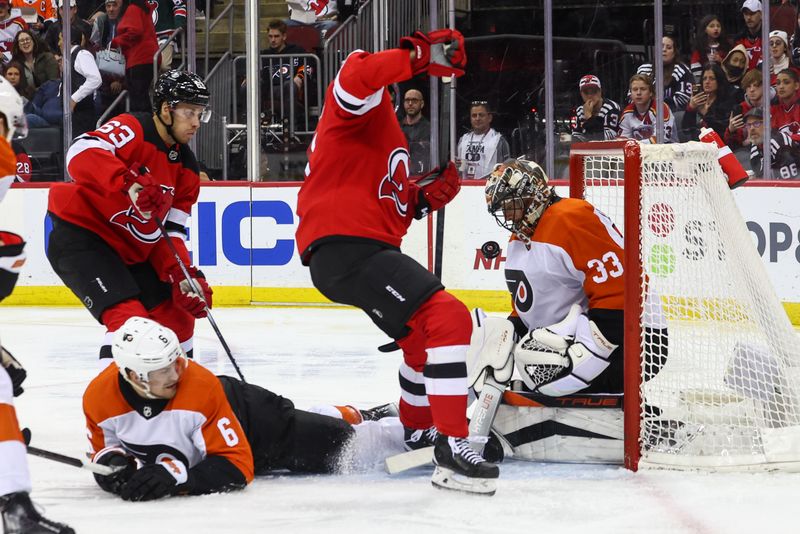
[575, 257]
[195, 424]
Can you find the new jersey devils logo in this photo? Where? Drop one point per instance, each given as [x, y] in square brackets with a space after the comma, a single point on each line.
[393, 184]
[136, 225]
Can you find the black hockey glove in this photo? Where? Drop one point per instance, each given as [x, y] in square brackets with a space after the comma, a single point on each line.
[12, 257]
[15, 371]
[115, 458]
[155, 481]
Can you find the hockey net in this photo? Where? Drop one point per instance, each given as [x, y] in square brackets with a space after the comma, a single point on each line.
[725, 394]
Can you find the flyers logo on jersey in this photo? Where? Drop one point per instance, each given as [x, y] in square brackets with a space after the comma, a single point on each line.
[521, 290]
[393, 185]
[141, 229]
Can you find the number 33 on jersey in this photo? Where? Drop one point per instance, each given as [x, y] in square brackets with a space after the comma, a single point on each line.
[575, 257]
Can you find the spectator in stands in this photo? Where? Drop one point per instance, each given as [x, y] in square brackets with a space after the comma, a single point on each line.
[45, 13]
[85, 79]
[324, 13]
[780, 57]
[14, 73]
[750, 38]
[638, 119]
[711, 107]
[417, 130]
[39, 63]
[734, 67]
[104, 28]
[136, 36]
[53, 32]
[678, 79]
[598, 118]
[753, 93]
[46, 107]
[169, 16]
[711, 44]
[281, 77]
[483, 147]
[783, 152]
[103, 31]
[10, 25]
[785, 114]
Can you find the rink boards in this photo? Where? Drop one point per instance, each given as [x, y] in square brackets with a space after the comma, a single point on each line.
[242, 237]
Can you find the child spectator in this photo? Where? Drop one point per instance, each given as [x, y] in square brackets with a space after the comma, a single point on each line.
[38, 62]
[711, 107]
[136, 36]
[598, 118]
[639, 117]
[678, 79]
[753, 93]
[785, 115]
[711, 44]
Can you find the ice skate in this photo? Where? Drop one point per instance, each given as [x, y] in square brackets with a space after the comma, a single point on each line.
[20, 517]
[460, 468]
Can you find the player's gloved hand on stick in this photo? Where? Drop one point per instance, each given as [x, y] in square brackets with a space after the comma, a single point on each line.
[183, 294]
[115, 457]
[15, 371]
[440, 53]
[146, 194]
[12, 258]
[155, 481]
[445, 185]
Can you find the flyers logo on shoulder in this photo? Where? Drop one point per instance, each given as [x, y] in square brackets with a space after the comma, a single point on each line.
[393, 185]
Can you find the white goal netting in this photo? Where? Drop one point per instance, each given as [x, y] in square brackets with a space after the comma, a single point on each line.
[725, 390]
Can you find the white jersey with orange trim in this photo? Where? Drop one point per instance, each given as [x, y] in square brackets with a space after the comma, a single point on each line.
[14, 474]
[198, 423]
[575, 257]
[642, 127]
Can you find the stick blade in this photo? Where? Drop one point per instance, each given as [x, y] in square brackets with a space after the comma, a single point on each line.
[409, 460]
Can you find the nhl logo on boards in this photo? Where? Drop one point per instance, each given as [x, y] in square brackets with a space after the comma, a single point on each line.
[173, 155]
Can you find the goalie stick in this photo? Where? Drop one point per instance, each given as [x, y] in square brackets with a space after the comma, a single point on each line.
[479, 427]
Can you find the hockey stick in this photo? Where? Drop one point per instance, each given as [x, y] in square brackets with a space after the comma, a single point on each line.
[199, 293]
[479, 427]
[61, 458]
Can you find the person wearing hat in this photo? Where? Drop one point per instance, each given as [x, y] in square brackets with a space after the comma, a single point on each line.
[785, 156]
[750, 38]
[51, 36]
[10, 26]
[598, 118]
[780, 55]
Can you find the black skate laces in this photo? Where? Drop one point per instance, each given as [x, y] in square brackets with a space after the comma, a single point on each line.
[462, 448]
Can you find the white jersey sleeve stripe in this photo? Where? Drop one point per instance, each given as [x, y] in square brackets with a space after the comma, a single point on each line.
[86, 142]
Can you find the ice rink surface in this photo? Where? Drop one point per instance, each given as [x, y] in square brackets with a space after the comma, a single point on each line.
[319, 356]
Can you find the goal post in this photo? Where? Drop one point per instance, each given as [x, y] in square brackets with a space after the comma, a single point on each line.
[720, 389]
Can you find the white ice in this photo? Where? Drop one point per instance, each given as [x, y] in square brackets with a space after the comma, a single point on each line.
[329, 356]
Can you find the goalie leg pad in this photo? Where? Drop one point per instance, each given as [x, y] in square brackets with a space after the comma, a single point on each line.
[491, 345]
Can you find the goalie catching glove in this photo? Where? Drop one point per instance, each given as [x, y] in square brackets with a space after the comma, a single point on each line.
[184, 295]
[145, 193]
[563, 358]
[436, 189]
[440, 53]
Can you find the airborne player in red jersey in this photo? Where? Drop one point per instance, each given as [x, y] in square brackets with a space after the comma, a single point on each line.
[105, 244]
[355, 206]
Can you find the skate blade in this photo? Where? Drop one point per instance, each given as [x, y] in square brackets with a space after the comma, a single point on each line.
[444, 478]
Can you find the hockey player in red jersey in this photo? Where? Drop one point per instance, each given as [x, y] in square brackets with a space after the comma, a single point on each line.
[355, 206]
[105, 245]
[564, 269]
[176, 429]
[18, 513]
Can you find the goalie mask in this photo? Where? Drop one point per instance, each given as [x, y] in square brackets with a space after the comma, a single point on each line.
[517, 195]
